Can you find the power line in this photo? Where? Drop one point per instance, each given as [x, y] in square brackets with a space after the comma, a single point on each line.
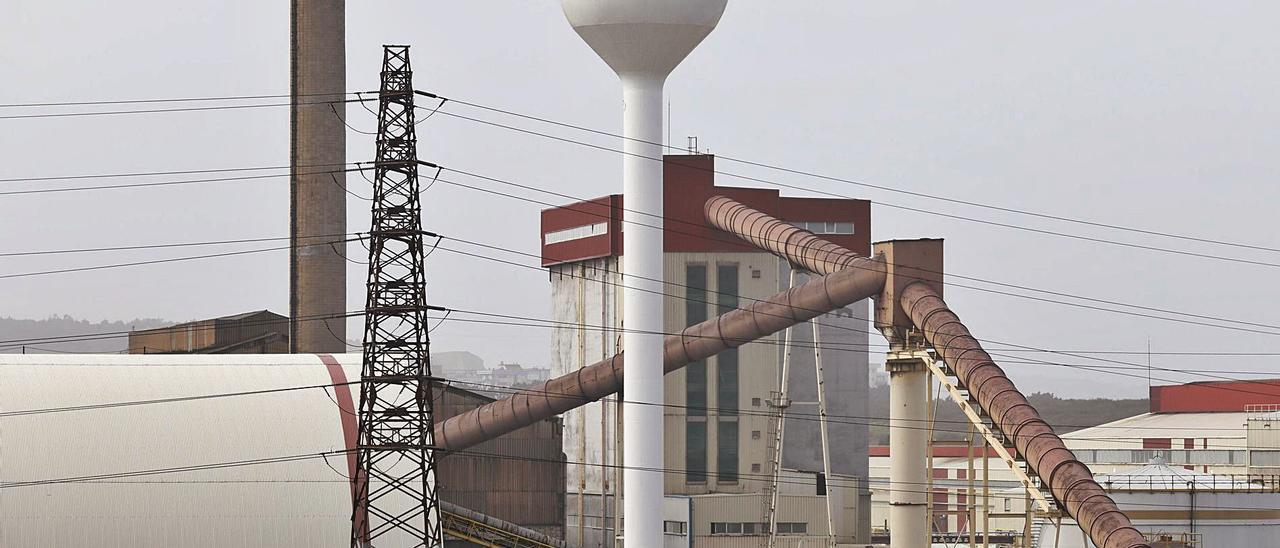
[170, 100]
[168, 110]
[951, 284]
[857, 420]
[1002, 284]
[167, 183]
[169, 260]
[269, 249]
[157, 173]
[837, 481]
[886, 204]
[864, 184]
[539, 269]
[59, 339]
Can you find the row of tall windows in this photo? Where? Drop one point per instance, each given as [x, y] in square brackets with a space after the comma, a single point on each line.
[696, 385]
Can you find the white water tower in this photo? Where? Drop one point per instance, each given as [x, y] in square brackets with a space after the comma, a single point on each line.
[642, 41]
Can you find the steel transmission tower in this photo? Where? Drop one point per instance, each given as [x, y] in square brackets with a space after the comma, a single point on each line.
[395, 501]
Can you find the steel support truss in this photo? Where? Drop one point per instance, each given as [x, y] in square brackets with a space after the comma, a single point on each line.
[395, 501]
[961, 397]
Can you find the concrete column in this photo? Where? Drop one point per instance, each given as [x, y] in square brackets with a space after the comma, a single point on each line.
[908, 442]
[317, 200]
[642, 310]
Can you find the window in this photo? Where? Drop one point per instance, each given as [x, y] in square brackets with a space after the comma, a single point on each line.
[695, 436]
[755, 434]
[695, 455]
[755, 402]
[825, 227]
[1007, 506]
[727, 452]
[695, 311]
[755, 467]
[727, 382]
[793, 528]
[575, 233]
[727, 361]
[675, 527]
[738, 528]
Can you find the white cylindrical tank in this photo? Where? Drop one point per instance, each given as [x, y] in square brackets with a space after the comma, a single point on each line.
[79, 477]
[643, 41]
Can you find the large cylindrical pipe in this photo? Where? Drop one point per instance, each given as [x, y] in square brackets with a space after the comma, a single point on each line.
[696, 342]
[908, 442]
[1069, 480]
[317, 200]
[795, 244]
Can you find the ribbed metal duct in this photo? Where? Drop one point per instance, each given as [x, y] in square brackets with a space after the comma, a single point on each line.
[862, 279]
[784, 239]
[1068, 479]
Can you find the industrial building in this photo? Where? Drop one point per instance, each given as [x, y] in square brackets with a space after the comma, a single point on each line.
[259, 332]
[80, 478]
[718, 427]
[1214, 442]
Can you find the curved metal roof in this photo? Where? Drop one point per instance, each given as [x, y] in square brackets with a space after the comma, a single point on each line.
[119, 476]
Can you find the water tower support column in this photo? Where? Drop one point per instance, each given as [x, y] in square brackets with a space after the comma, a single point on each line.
[642, 339]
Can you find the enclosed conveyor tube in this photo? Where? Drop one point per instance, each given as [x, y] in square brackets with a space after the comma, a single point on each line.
[1068, 479]
[863, 279]
[781, 238]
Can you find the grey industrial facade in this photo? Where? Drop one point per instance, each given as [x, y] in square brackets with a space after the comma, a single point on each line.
[718, 419]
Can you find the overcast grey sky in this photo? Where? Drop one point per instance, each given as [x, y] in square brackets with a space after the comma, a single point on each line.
[1160, 115]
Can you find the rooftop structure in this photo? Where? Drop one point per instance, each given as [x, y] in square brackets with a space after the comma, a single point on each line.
[258, 332]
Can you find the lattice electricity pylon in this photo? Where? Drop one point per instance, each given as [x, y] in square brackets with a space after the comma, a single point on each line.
[395, 501]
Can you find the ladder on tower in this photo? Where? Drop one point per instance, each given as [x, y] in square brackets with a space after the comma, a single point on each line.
[778, 404]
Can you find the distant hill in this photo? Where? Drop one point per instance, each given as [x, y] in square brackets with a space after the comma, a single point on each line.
[1064, 414]
[61, 326]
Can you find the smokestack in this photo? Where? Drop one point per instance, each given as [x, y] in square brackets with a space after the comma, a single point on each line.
[642, 42]
[317, 198]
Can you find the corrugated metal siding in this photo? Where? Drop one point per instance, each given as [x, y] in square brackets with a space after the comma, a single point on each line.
[248, 327]
[527, 488]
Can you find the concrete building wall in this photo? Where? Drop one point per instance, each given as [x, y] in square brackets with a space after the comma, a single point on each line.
[586, 292]
[186, 337]
[745, 416]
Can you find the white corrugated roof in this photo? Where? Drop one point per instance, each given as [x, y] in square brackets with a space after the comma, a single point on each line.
[1222, 429]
